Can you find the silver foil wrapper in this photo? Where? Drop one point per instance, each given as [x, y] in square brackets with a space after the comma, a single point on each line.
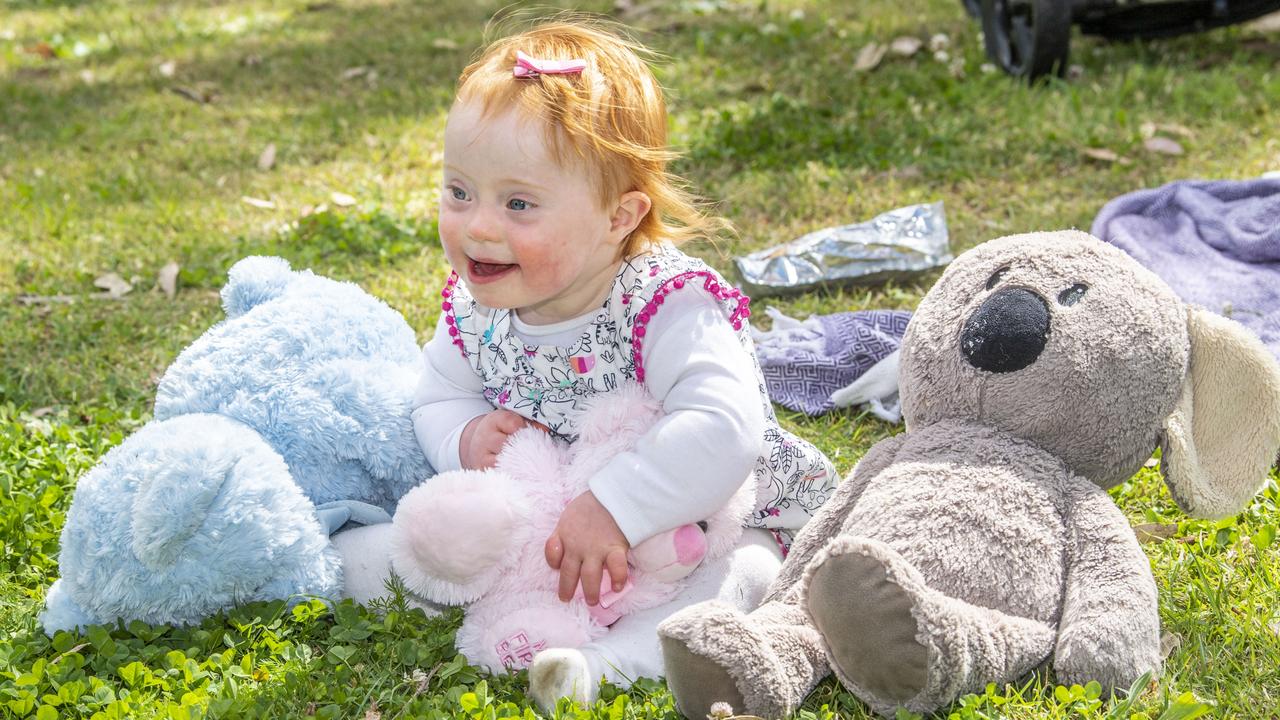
[898, 244]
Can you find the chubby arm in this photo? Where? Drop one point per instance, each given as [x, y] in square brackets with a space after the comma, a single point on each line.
[449, 396]
[1110, 625]
[829, 521]
[688, 465]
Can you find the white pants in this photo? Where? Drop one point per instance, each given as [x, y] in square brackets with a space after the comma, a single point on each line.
[630, 649]
[366, 566]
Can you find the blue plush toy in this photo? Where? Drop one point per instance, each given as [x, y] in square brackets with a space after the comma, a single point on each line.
[276, 426]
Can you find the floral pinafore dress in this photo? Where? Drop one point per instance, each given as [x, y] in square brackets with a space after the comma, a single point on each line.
[546, 383]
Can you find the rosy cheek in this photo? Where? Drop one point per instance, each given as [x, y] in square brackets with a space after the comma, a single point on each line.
[450, 226]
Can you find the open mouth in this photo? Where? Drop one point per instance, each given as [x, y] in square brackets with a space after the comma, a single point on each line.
[482, 272]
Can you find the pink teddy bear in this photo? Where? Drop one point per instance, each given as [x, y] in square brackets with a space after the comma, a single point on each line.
[475, 538]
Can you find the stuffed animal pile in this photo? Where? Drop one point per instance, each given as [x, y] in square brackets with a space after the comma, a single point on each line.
[475, 538]
[1038, 372]
[274, 427]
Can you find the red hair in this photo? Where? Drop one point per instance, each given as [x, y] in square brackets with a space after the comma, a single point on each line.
[611, 118]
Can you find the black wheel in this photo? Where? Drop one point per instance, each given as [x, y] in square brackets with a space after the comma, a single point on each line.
[1168, 18]
[1027, 38]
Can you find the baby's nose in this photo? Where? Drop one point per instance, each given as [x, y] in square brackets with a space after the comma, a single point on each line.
[483, 227]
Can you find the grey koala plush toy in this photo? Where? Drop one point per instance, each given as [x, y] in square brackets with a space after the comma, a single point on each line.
[1039, 371]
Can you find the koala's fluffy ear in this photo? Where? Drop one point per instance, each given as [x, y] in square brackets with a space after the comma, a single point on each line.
[1223, 436]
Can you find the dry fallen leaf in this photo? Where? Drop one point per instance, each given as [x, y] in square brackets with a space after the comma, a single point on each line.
[1162, 145]
[115, 285]
[1155, 532]
[1103, 155]
[869, 57]
[267, 159]
[44, 50]
[352, 73]
[1151, 462]
[257, 202]
[906, 46]
[444, 44]
[44, 299]
[168, 279]
[1149, 129]
[341, 199]
[1169, 641]
[195, 95]
[167, 68]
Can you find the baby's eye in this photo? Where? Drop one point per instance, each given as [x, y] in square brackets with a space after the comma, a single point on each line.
[517, 204]
[457, 192]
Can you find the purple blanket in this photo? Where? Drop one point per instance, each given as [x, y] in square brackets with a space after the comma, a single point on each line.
[1217, 244]
[804, 362]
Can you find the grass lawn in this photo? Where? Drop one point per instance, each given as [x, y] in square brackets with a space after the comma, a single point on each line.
[133, 135]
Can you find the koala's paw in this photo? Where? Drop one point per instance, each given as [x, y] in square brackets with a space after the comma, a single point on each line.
[895, 642]
[454, 535]
[867, 617]
[715, 654]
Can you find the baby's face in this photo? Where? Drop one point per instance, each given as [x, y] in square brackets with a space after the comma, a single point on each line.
[522, 230]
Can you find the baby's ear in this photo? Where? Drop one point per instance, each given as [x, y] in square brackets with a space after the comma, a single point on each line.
[1222, 437]
[632, 207]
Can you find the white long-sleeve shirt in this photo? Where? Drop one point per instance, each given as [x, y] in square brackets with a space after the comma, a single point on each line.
[686, 467]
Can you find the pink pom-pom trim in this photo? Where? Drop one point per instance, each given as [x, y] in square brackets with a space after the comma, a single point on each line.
[741, 311]
[450, 319]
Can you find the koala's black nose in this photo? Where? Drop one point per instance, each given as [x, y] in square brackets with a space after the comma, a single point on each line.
[1007, 332]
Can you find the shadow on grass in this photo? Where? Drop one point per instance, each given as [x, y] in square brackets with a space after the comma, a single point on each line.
[799, 98]
[297, 69]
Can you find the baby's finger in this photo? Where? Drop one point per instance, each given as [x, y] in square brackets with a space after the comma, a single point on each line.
[616, 562]
[569, 577]
[591, 570]
[554, 551]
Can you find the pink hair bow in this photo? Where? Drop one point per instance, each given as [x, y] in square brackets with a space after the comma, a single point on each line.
[528, 67]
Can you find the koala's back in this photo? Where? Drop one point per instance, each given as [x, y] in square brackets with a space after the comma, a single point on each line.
[981, 514]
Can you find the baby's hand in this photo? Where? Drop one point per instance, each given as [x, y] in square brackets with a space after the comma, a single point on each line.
[584, 543]
[483, 437]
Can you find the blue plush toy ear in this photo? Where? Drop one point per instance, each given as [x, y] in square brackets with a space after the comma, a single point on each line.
[254, 280]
